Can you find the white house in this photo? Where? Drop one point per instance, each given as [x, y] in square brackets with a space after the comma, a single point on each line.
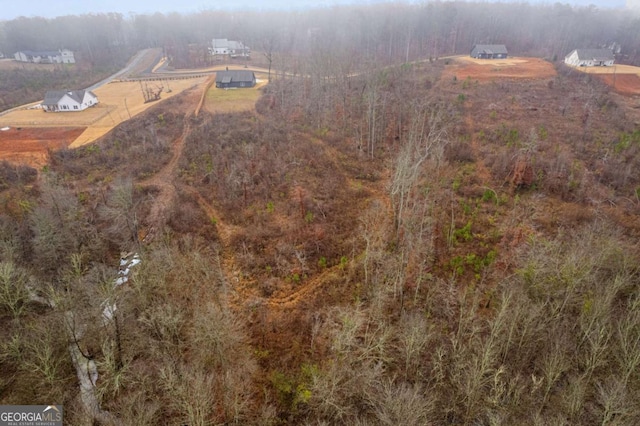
[63, 56]
[222, 46]
[590, 58]
[74, 100]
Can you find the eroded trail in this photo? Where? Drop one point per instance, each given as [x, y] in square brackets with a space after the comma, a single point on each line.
[245, 287]
[481, 168]
[164, 182]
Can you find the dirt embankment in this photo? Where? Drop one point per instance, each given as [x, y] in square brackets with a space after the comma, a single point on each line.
[624, 79]
[31, 145]
[626, 84]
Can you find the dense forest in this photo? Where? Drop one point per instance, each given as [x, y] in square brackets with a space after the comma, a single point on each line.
[388, 32]
[378, 242]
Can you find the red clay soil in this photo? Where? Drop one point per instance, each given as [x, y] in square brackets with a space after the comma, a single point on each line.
[529, 68]
[29, 145]
[626, 84]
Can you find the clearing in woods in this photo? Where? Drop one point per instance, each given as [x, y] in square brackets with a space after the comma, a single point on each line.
[624, 79]
[463, 67]
[234, 100]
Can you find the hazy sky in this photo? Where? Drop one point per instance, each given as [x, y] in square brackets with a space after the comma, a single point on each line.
[10, 9]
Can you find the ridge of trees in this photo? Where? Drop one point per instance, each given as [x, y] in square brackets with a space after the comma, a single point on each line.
[384, 32]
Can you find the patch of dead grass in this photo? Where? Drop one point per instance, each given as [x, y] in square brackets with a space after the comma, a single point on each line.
[234, 100]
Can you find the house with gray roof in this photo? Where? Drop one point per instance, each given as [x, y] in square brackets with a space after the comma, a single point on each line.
[590, 58]
[69, 100]
[489, 51]
[237, 78]
[233, 48]
[63, 56]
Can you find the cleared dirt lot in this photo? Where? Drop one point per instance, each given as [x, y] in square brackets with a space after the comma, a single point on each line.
[463, 67]
[624, 79]
[30, 145]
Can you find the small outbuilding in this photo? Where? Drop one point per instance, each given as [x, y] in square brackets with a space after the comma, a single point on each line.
[64, 101]
[489, 51]
[590, 58]
[236, 78]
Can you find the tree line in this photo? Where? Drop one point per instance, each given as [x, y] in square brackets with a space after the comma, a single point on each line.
[384, 32]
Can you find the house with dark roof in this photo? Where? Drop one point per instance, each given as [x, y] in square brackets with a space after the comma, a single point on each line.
[590, 58]
[71, 100]
[63, 56]
[238, 78]
[489, 51]
[233, 48]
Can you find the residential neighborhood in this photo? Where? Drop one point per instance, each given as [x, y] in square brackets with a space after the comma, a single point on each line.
[63, 56]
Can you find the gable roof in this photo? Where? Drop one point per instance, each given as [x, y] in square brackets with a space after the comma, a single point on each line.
[220, 43]
[491, 48]
[595, 54]
[52, 97]
[40, 53]
[235, 76]
[223, 43]
[236, 45]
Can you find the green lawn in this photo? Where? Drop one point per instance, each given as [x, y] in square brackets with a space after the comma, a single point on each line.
[230, 100]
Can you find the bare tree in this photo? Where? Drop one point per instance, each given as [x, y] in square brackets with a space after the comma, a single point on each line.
[120, 213]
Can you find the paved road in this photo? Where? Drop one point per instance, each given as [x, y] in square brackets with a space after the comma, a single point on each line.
[130, 66]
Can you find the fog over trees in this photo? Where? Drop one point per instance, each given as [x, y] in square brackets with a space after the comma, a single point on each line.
[378, 32]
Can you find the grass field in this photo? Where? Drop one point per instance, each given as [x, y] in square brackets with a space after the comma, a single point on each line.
[233, 100]
[10, 64]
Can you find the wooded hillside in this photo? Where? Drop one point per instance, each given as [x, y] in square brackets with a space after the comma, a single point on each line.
[394, 245]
